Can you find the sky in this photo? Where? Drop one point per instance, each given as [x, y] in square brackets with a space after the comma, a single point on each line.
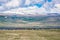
[29, 6]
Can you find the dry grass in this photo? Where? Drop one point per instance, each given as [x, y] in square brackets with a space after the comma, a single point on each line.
[30, 34]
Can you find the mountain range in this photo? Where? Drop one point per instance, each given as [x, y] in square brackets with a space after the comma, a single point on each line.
[51, 20]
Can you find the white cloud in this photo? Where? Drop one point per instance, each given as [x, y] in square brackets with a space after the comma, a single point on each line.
[27, 2]
[13, 3]
[29, 10]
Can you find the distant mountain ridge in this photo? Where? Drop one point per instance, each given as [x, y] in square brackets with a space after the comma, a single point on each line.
[54, 16]
[51, 20]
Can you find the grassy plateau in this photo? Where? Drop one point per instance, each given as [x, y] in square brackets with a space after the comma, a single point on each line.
[48, 34]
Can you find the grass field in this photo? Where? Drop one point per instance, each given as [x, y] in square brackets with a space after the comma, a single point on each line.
[53, 34]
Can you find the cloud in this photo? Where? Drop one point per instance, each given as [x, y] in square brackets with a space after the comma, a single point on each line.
[13, 3]
[16, 6]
